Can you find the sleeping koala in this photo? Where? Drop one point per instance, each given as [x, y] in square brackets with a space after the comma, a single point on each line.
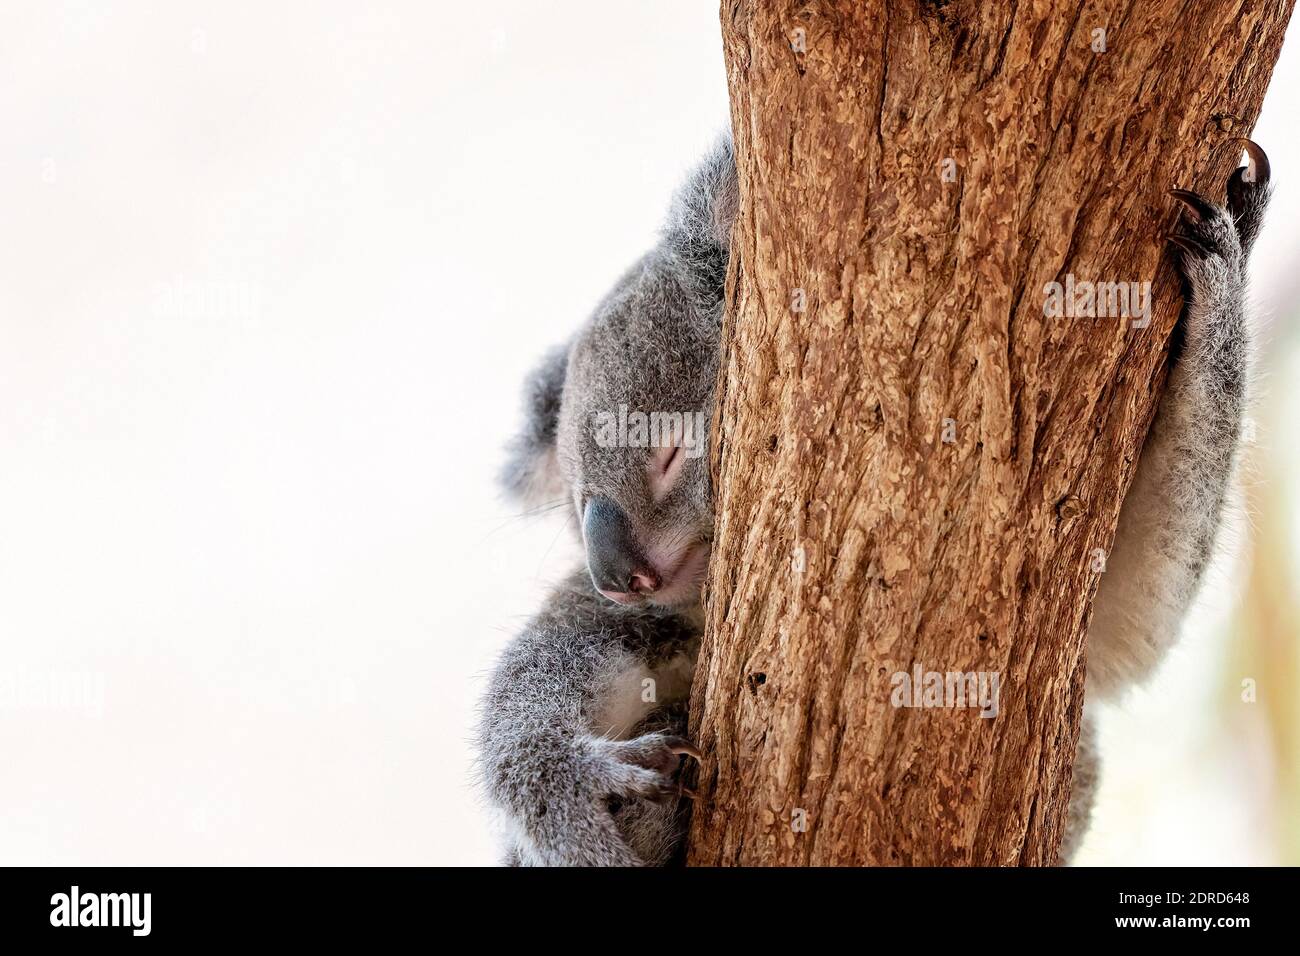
[581, 736]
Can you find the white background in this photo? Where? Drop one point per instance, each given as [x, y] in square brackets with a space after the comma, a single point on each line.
[270, 276]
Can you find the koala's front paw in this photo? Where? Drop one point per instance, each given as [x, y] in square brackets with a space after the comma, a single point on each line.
[645, 767]
[1248, 192]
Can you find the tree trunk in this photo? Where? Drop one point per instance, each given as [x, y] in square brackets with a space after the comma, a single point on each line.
[916, 470]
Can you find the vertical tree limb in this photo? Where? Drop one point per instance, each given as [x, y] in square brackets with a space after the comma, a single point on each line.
[923, 301]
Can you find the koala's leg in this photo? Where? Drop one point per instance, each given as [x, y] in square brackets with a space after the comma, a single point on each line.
[553, 749]
[1083, 789]
[656, 830]
[1169, 519]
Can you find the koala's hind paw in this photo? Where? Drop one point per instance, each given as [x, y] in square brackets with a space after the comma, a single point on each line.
[646, 767]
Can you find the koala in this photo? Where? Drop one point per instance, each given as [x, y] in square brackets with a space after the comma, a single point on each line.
[581, 739]
[582, 726]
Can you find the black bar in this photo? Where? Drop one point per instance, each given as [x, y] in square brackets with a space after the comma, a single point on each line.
[958, 908]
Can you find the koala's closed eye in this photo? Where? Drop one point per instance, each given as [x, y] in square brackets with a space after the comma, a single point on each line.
[665, 468]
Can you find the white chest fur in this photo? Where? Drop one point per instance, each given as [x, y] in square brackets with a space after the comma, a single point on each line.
[637, 690]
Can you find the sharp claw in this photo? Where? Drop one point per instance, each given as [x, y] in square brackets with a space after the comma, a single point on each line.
[685, 747]
[1258, 169]
[1197, 207]
[1187, 244]
[688, 793]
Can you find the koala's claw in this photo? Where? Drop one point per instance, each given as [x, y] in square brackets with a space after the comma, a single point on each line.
[1258, 167]
[1206, 232]
[1198, 208]
[1187, 244]
[1249, 180]
[659, 751]
[680, 745]
[1248, 190]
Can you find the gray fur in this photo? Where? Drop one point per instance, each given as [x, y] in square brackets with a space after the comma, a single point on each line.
[551, 754]
[580, 766]
[1171, 515]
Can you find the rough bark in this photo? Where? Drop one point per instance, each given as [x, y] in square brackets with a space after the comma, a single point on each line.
[924, 301]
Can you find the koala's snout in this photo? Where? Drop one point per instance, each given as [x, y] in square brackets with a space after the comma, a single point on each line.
[617, 566]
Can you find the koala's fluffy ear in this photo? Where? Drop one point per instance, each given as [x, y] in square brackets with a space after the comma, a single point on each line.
[531, 475]
[703, 211]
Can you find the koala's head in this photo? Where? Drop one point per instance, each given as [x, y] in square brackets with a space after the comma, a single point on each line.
[617, 424]
[617, 421]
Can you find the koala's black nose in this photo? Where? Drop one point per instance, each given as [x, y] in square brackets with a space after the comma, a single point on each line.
[615, 562]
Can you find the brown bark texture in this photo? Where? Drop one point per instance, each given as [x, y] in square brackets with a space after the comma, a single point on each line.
[912, 175]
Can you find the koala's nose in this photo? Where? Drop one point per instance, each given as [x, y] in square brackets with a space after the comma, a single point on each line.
[617, 568]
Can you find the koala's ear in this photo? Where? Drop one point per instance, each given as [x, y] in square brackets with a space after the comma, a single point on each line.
[702, 213]
[531, 475]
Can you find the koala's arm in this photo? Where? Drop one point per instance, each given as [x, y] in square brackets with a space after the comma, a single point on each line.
[1171, 515]
[557, 757]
